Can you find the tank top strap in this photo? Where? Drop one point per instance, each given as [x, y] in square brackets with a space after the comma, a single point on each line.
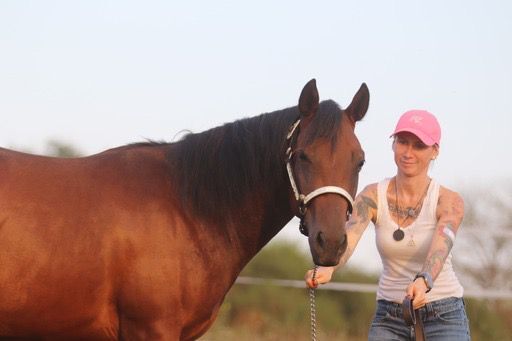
[382, 199]
[432, 198]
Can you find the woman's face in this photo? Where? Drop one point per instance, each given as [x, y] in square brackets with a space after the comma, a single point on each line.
[412, 156]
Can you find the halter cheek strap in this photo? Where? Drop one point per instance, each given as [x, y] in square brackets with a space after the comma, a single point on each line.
[304, 200]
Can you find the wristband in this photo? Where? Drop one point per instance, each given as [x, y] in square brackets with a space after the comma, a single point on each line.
[427, 278]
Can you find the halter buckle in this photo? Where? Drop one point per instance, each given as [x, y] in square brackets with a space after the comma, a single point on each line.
[303, 228]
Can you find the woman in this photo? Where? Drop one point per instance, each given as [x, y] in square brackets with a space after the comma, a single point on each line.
[416, 221]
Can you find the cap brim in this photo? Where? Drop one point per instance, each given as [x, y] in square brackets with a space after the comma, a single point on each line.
[419, 134]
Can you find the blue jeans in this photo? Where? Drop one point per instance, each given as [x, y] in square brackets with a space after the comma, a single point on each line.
[442, 320]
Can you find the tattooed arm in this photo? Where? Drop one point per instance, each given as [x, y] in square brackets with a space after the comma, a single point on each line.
[365, 210]
[449, 212]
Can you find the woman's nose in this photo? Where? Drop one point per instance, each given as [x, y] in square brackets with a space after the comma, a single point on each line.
[408, 151]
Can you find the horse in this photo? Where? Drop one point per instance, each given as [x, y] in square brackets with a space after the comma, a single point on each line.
[143, 241]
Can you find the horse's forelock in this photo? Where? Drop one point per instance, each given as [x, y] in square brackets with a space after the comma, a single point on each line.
[326, 123]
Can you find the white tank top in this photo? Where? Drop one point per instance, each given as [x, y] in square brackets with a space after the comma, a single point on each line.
[401, 261]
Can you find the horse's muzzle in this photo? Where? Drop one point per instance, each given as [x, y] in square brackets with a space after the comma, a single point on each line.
[327, 251]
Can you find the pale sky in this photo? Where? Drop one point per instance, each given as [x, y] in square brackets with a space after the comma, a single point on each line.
[99, 74]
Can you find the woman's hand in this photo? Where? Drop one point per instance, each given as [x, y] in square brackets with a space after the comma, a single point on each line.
[323, 275]
[417, 290]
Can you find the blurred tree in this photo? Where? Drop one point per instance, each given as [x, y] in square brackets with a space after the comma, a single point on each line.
[483, 257]
[483, 253]
[53, 148]
[61, 149]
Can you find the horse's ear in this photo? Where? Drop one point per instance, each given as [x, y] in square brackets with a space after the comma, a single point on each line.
[357, 109]
[308, 100]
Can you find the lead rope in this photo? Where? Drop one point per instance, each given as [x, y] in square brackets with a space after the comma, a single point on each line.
[312, 307]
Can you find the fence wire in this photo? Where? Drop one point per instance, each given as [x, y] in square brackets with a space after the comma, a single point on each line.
[361, 287]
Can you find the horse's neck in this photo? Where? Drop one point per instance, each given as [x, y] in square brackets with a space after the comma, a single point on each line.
[265, 217]
[240, 214]
[259, 219]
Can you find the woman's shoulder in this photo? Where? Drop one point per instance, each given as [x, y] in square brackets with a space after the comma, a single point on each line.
[370, 190]
[450, 202]
[447, 194]
[366, 203]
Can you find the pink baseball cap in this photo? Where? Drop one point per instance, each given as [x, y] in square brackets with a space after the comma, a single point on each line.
[422, 124]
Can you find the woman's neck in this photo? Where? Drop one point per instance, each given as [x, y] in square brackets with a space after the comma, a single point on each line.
[411, 187]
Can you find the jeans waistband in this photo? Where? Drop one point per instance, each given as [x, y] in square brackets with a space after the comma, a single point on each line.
[430, 309]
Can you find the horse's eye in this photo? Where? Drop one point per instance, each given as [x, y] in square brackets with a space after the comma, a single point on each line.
[361, 164]
[303, 157]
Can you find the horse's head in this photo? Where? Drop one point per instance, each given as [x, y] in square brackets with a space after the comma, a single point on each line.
[324, 160]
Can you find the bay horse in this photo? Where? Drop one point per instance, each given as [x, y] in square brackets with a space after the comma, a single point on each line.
[143, 241]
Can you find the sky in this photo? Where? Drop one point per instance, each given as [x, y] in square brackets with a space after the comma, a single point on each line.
[99, 74]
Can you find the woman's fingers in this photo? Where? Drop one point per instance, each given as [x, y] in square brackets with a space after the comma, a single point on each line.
[309, 279]
[417, 305]
[322, 276]
[416, 290]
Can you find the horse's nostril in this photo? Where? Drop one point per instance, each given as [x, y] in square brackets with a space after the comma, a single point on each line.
[320, 239]
[343, 244]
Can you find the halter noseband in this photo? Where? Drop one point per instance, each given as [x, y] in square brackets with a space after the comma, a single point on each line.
[305, 200]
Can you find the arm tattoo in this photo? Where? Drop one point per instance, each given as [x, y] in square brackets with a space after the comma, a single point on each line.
[458, 207]
[363, 205]
[437, 257]
[435, 263]
[356, 225]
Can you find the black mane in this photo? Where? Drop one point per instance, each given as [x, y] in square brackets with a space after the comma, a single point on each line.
[215, 170]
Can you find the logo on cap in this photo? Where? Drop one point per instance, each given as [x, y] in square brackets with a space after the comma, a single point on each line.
[416, 119]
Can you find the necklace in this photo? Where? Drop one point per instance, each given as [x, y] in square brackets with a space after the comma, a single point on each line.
[403, 212]
[399, 234]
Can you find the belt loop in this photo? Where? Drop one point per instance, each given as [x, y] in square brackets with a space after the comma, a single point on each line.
[391, 308]
[399, 310]
[429, 310]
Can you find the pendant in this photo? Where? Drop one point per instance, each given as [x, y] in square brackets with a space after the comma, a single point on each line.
[398, 235]
[411, 242]
[411, 212]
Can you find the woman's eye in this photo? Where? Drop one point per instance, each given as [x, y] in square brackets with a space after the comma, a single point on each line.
[420, 146]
